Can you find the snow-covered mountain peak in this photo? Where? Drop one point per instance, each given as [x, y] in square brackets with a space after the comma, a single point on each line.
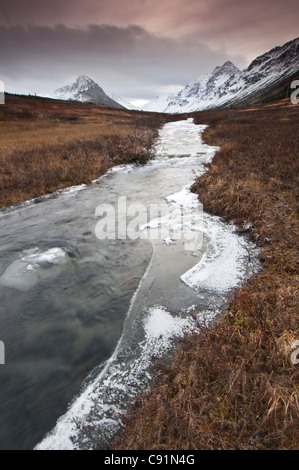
[80, 85]
[201, 87]
[83, 81]
[267, 76]
[227, 68]
[84, 89]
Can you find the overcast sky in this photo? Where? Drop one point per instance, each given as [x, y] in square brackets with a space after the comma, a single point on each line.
[137, 49]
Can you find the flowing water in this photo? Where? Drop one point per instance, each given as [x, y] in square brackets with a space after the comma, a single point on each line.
[82, 316]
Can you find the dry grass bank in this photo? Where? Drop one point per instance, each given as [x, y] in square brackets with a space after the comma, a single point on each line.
[235, 387]
[48, 145]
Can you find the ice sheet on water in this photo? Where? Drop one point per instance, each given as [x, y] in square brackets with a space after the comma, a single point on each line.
[39, 258]
[183, 214]
[23, 273]
[225, 261]
[160, 324]
[169, 241]
[182, 138]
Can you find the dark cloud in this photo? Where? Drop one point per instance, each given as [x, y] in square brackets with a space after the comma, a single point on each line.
[246, 25]
[129, 61]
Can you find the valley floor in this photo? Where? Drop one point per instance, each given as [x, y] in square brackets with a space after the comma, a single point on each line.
[236, 386]
[48, 145]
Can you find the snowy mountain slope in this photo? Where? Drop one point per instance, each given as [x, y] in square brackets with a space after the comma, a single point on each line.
[226, 86]
[85, 90]
[204, 89]
[122, 101]
[158, 103]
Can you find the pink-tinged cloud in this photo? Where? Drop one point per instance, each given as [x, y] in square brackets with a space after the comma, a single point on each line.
[136, 48]
[241, 27]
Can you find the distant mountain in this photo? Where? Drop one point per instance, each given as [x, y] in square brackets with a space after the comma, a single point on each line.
[122, 101]
[266, 77]
[158, 103]
[84, 89]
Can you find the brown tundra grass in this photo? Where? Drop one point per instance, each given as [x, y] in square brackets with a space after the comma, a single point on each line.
[235, 387]
[46, 145]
